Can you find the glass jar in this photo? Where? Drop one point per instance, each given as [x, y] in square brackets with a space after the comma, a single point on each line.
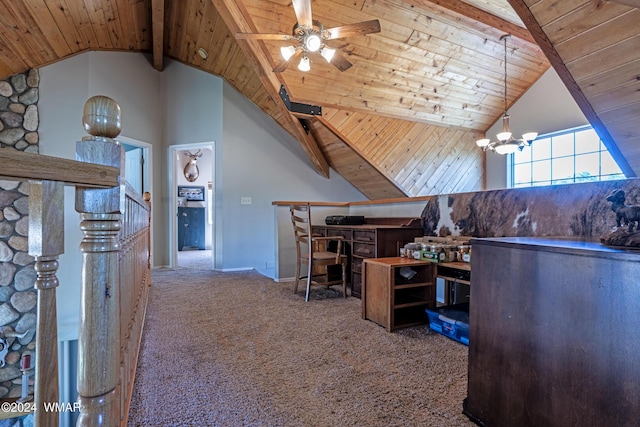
[451, 253]
[464, 253]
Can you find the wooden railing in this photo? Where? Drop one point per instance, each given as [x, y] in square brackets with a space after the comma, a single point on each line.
[135, 279]
[115, 267]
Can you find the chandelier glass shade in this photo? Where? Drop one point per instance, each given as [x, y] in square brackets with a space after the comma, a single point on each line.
[506, 143]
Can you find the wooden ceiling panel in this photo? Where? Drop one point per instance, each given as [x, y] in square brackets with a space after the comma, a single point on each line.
[428, 153]
[603, 36]
[595, 47]
[498, 8]
[613, 79]
[425, 65]
[350, 165]
[405, 116]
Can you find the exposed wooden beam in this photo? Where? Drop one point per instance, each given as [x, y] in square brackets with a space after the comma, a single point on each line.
[558, 64]
[157, 29]
[481, 16]
[237, 20]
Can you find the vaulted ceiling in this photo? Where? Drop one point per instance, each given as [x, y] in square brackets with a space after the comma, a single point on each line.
[403, 120]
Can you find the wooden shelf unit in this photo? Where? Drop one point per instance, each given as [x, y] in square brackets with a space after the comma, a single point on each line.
[453, 273]
[393, 301]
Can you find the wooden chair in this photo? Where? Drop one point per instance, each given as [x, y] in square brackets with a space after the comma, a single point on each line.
[312, 251]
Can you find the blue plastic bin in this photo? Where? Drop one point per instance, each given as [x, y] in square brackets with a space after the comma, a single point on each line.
[451, 321]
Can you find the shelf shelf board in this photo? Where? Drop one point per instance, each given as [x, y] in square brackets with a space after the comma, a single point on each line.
[400, 325]
[413, 285]
[411, 304]
[453, 279]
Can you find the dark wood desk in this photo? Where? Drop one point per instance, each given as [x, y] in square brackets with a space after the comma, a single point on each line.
[553, 334]
[377, 238]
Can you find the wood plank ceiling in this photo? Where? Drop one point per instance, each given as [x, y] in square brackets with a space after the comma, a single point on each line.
[403, 120]
[594, 46]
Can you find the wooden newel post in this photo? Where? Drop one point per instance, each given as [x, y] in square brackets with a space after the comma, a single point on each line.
[46, 243]
[101, 217]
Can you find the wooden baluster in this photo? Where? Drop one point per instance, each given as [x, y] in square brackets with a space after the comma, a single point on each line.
[101, 214]
[46, 243]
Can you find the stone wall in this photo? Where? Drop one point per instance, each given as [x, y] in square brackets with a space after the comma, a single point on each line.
[18, 130]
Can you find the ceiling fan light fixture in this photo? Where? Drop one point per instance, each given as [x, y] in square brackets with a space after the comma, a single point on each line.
[304, 64]
[312, 42]
[327, 53]
[287, 52]
[529, 136]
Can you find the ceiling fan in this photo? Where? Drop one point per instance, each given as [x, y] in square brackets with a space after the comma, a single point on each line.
[311, 37]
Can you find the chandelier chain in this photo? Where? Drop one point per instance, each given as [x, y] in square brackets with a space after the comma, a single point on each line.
[506, 143]
[505, 75]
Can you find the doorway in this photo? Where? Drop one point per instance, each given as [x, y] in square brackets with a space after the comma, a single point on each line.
[191, 205]
[138, 167]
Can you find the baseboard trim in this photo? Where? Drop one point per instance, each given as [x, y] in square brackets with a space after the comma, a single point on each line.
[227, 270]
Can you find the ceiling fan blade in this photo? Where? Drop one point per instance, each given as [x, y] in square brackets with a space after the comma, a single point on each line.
[284, 64]
[254, 36]
[340, 62]
[302, 8]
[366, 27]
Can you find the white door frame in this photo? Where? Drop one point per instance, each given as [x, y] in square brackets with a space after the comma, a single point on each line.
[172, 164]
[147, 179]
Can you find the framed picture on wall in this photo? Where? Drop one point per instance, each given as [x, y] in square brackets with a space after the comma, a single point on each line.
[191, 193]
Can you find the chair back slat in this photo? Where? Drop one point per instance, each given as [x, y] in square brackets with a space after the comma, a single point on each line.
[312, 251]
[301, 219]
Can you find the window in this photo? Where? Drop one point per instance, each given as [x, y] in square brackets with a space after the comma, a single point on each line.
[567, 157]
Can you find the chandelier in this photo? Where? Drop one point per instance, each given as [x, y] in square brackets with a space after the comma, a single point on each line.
[506, 143]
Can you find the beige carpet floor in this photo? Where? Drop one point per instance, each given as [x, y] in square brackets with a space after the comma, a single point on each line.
[238, 349]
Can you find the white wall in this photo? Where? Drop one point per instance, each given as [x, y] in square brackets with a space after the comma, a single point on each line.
[193, 115]
[253, 157]
[64, 88]
[546, 107]
[265, 163]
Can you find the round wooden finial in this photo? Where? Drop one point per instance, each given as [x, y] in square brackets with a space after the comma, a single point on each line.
[102, 117]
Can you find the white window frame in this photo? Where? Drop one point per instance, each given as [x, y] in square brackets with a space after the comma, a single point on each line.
[602, 150]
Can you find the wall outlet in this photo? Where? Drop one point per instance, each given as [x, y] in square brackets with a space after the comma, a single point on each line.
[245, 200]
